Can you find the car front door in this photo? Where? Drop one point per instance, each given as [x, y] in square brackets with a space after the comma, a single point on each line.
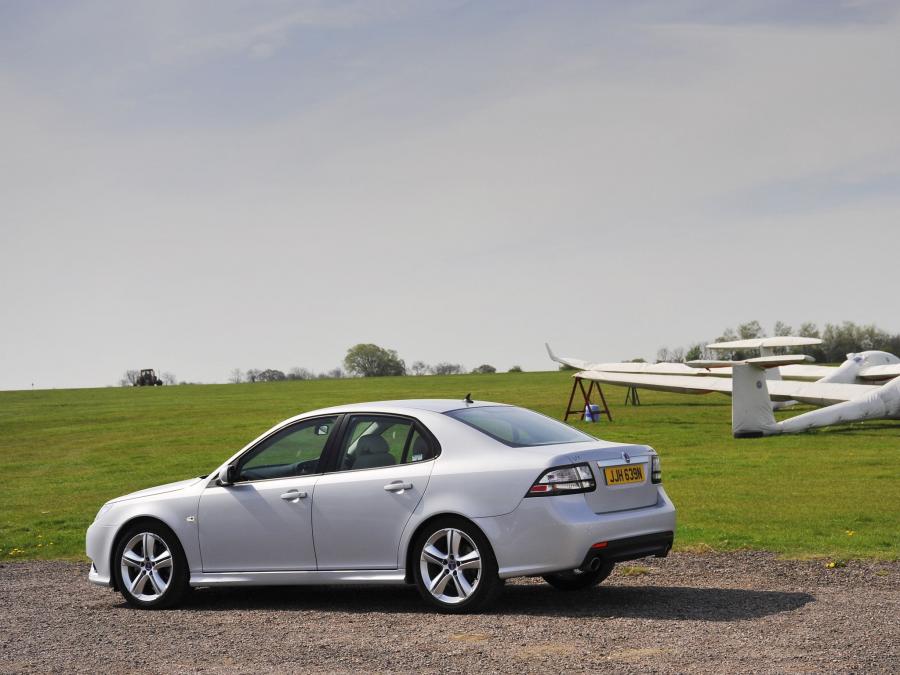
[361, 508]
[263, 521]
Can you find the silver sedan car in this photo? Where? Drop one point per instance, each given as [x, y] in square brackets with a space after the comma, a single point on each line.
[452, 496]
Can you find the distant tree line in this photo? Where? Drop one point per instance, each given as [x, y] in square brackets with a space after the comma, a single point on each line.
[369, 360]
[238, 376]
[838, 340]
[130, 378]
[362, 360]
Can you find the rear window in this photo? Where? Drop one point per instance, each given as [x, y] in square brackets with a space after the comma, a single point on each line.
[518, 427]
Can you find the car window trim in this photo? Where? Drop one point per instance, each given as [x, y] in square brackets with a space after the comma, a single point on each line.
[338, 423]
[343, 427]
[513, 444]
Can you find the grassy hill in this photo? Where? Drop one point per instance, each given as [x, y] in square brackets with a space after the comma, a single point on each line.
[64, 452]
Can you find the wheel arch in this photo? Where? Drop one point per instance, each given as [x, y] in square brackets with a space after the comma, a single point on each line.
[113, 576]
[410, 544]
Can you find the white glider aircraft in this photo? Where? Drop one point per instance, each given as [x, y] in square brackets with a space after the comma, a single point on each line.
[751, 410]
[865, 386]
[694, 377]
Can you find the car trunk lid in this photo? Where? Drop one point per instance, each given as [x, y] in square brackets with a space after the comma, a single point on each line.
[623, 479]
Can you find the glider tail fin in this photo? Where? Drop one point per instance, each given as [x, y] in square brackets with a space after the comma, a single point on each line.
[751, 409]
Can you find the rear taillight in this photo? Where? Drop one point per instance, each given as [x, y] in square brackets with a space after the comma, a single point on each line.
[655, 469]
[563, 480]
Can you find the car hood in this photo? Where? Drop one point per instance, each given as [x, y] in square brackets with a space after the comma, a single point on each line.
[158, 490]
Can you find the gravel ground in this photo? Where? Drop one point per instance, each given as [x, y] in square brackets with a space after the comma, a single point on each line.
[735, 612]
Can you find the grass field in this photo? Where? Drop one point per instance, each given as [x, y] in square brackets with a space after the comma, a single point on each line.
[832, 493]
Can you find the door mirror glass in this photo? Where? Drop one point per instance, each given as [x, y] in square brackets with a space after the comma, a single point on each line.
[322, 430]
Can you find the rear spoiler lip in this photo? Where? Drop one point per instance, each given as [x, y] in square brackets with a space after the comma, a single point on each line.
[633, 450]
[656, 544]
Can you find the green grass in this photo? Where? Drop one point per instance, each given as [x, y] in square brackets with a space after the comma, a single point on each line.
[65, 452]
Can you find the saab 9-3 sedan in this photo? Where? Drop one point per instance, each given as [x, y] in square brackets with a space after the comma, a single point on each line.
[454, 497]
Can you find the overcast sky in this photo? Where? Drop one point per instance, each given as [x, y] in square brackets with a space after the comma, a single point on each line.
[200, 186]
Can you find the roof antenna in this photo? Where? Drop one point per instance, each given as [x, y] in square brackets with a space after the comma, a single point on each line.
[468, 398]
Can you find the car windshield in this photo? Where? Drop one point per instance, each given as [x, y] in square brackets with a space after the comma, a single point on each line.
[518, 427]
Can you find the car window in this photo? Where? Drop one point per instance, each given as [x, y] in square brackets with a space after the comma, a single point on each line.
[295, 451]
[420, 448]
[373, 441]
[518, 427]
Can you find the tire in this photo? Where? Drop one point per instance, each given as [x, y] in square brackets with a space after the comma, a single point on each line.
[576, 580]
[150, 547]
[453, 557]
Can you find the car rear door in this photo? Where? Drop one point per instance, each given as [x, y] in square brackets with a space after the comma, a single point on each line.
[361, 508]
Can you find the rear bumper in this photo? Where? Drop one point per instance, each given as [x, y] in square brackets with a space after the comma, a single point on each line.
[552, 534]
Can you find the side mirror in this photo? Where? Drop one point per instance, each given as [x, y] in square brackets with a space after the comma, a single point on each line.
[229, 475]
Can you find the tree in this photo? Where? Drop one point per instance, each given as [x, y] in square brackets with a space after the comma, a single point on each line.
[300, 374]
[782, 329]
[419, 368]
[809, 329]
[694, 352]
[444, 368]
[750, 330]
[169, 378]
[515, 369]
[252, 374]
[236, 377]
[129, 378]
[368, 360]
[271, 375]
[484, 369]
[838, 341]
[727, 336]
[663, 355]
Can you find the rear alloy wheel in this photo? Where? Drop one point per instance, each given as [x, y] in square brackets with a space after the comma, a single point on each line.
[151, 569]
[575, 580]
[455, 569]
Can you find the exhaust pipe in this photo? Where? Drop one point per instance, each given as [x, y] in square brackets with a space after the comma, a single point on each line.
[592, 566]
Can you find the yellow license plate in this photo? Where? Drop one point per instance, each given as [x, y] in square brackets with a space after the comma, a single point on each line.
[622, 475]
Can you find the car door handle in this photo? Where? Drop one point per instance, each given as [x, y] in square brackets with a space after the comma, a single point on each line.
[291, 495]
[398, 486]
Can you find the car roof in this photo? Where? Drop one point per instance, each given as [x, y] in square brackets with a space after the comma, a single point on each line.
[438, 405]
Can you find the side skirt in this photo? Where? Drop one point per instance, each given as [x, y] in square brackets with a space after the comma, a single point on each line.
[300, 578]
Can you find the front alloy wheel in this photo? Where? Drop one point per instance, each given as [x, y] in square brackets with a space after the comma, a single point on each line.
[455, 570]
[146, 566]
[151, 567]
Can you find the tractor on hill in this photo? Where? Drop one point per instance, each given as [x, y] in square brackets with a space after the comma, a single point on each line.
[147, 378]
